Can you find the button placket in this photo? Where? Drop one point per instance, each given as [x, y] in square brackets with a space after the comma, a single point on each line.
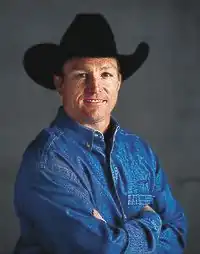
[114, 171]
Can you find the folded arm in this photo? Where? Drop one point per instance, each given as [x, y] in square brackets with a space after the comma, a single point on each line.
[60, 208]
[173, 232]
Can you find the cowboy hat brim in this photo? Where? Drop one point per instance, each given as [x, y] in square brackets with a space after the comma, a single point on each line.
[39, 62]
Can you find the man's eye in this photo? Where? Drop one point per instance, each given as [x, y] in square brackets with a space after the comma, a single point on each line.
[81, 75]
[106, 75]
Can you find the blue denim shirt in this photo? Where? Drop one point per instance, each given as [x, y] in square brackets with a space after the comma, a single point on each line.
[69, 170]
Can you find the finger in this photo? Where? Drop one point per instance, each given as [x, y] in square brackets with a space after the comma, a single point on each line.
[97, 215]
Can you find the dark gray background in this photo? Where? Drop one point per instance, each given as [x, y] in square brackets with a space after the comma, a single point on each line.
[161, 102]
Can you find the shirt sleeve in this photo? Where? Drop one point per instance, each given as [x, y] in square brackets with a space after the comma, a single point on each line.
[59, 206]
[172, 238]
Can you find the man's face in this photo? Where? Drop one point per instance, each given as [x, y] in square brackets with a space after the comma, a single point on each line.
[89, 88]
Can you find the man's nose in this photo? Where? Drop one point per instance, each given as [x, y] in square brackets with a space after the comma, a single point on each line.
[93, 84]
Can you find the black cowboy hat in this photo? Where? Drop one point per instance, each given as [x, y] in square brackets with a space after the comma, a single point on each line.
[89, 35]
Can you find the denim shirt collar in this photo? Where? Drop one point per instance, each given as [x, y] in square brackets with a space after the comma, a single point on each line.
[86, 135]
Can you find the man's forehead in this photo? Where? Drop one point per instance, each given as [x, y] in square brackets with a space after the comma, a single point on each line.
[100, 62]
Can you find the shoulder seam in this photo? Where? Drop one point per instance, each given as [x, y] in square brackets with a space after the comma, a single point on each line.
[48, 146]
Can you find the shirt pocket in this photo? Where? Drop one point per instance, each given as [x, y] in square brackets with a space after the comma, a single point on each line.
[136, 202]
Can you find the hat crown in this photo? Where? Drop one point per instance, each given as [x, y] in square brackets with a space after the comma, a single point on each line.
[89, 35]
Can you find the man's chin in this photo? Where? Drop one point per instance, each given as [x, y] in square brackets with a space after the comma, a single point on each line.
[95, 119]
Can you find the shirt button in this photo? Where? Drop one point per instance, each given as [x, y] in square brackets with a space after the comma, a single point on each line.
[96, 134]
[88, 145]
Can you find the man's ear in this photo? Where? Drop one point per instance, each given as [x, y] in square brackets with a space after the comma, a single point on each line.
[58, 82]
[120, 81]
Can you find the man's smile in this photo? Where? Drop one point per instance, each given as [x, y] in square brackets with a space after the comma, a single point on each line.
[94, 101]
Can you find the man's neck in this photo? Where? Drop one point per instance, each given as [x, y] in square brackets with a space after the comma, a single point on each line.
[100, 126]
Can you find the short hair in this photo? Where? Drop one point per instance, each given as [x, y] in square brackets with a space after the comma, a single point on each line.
[58, 69]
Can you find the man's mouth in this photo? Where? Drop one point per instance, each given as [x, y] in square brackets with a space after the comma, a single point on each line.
[94, 101]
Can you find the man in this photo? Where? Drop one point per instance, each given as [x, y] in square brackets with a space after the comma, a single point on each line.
[85, 185]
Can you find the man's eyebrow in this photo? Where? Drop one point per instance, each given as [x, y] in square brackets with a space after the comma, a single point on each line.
[77, 68]
[108, 66]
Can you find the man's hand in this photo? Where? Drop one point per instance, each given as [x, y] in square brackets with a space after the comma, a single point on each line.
[97, 215]
[148, 208]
